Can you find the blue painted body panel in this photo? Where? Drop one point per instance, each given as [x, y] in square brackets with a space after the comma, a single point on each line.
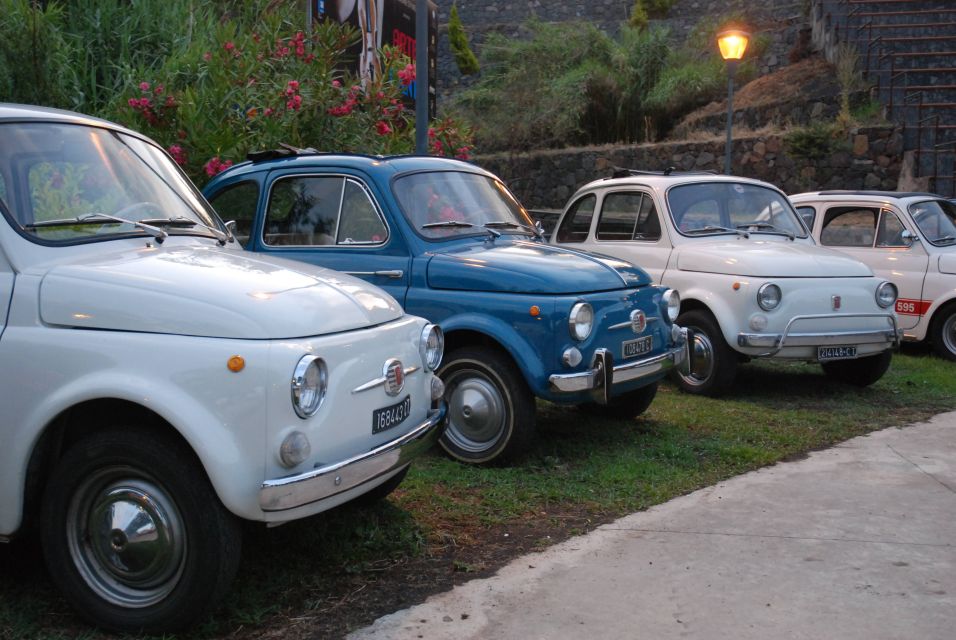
[478, 282]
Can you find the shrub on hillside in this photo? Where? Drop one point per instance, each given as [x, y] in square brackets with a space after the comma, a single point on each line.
[464, 57]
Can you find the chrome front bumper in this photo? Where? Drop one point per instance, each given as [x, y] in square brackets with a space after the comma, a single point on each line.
[295, 491]
[603, 374]
[776, 341]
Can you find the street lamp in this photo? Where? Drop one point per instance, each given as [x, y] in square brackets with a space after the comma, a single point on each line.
[732, 44]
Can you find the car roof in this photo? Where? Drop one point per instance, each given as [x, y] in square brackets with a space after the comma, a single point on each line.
[10, 112]
[666, 178]
[884, 195]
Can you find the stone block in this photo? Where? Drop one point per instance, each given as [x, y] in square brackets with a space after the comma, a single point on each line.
[861, 144]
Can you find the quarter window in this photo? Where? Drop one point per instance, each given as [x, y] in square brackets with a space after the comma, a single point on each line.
[808, 214]
[238, 202]
[628, 216]
[890, 231]
[577, 222]
[849, 227]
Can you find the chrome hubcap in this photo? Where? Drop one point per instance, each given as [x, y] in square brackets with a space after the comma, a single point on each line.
[476, 412]
[949, 333]
[703, 367]
[126, 537]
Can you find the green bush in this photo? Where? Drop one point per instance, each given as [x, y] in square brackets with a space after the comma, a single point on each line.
[814, 142]
[638, 18]
[35, 57]
[464, 57]
[657, 8]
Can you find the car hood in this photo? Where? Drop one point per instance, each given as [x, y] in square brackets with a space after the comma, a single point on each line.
[768, 259]
[515, 266]
[211, 292]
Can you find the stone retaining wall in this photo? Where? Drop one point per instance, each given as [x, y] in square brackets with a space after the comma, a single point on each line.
[871, 159]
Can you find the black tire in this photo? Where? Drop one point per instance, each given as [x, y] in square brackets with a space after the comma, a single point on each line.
[158, 585]
[490, 407]
[861, 372]
[942, 332]
[714, 362]
[626, 406]
[382, 491]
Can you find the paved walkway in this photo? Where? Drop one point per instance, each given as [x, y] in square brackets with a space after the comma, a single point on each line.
[858, 541]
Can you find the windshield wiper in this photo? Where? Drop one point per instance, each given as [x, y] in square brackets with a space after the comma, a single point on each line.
[505, 224]
[99, 218]
[182, 222]
[766, 226]
[447, 223]
[715, 228]
[946, 239]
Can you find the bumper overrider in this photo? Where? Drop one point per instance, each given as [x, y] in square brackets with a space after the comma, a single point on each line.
[318, 484]
[889, 337]
[603, 374]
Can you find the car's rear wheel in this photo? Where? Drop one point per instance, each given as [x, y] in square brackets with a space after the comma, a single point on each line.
[943, 332]
[861, 372]
[625, 406]
[134, 535]
[490, 407]
[714, 365]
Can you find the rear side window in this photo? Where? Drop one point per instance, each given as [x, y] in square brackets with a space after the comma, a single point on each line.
[849, 227]
[238, 202]
[577, 222]
[628, 216]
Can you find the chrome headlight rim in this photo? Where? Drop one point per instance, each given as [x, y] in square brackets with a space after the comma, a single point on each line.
[769, 296]
[885, 286]
[671, 302]
[431, 353]
[304, 403]
[580, 329]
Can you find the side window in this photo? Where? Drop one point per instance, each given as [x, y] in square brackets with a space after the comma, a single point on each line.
[849, 227]
[890, 230]
[238, 203]
[808, 214]
[360, 222]
[303, 211]
[628, 216]
[577, 222]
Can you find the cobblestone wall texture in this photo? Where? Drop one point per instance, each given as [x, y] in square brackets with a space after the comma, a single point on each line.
[870, 159]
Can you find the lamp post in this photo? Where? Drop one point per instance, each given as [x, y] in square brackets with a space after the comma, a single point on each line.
[732, 44]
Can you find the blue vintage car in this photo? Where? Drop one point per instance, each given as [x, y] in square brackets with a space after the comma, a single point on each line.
[450, 243]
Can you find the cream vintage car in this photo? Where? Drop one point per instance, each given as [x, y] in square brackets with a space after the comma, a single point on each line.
[158, 384]
[753, 283]
[907, 237]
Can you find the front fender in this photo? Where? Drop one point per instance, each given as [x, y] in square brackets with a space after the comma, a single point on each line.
[726, 312]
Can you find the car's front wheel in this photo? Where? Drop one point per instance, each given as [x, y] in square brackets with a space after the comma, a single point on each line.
[943, 332]
[134, 535]
[626, 406]
[490, 407]
[714, 365]
[861, 372]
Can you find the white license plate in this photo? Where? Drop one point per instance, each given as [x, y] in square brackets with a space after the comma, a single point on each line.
[637, 347]
[835, 353]
[392, 416]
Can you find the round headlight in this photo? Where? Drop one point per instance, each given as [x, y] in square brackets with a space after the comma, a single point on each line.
[886, 294]
[294, 450]
[671, 302]
[581, 321]
[431, 346]
[309, 384]
[769, 296]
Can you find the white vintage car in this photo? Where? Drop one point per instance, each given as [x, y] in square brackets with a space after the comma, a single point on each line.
[753, 283]
[907, 237]
[158, 384]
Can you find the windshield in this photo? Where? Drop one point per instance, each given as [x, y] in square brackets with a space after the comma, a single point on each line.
[709, 208]
[443, 204]
[68, 183]
[936, 219]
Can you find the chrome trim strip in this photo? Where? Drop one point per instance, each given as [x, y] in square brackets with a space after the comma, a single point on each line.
[623, 325]
[305, 488]
[777, 341]
[393, 273]
[599, 376]
[378, 382]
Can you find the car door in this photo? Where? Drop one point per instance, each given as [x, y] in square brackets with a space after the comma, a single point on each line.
[629, 226]
[873, 234]
[333, 220]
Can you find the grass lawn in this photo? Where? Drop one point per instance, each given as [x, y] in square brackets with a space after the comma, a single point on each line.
[448, 522]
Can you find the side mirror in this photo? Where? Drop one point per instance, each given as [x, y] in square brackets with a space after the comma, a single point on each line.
[909, 237]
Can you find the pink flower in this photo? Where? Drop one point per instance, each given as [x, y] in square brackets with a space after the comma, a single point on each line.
[268, 111]
[207, 56]
[294, 103]
[159, 89]
[336, 84]
[144, 86]
[382, 128]
[293, 84]
[229, 46]
[407, 75]
[216, 166]
[178, 154]
[133, 102]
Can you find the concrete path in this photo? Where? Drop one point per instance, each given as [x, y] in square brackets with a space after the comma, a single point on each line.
[858, 541]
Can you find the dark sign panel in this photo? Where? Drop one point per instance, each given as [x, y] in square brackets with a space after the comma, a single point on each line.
[383, 22]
